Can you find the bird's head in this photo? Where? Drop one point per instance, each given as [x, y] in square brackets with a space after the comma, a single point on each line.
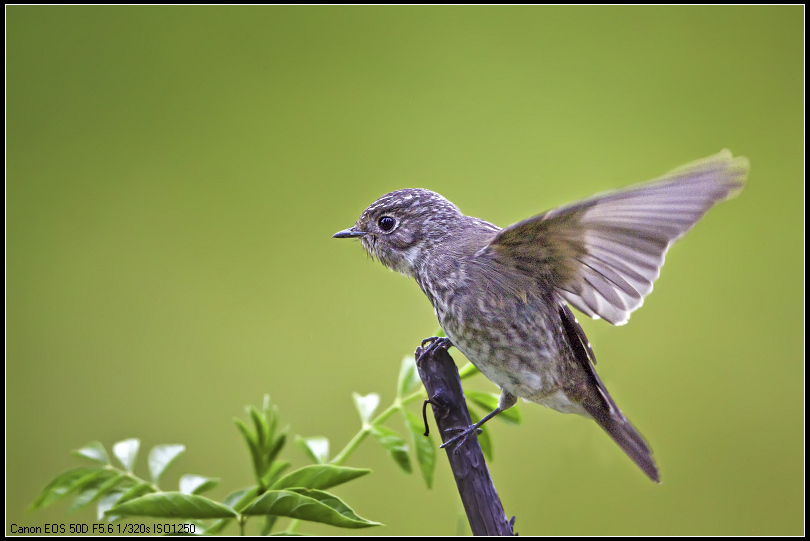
[402, 227]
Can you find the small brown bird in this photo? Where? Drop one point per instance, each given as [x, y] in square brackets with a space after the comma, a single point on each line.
[502, 295]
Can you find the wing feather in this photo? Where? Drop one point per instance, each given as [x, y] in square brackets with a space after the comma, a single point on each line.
[604, 254]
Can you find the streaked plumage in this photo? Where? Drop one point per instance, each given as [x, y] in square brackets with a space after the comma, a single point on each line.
[501, 295]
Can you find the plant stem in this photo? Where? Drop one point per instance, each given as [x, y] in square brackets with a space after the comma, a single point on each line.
[292, 526]
[381, 418]
[130, 475]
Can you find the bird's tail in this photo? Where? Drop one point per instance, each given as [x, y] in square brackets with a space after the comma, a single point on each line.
[594, 398]
[625, 435]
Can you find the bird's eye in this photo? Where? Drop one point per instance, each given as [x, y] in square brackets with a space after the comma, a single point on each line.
[387, 223]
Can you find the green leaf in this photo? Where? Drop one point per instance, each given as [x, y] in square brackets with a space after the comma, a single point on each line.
[67, 483]
[366, 405]
[253, 447]
[196, 484]
[275, 448]
[238, 498]
[136, 492]
[126, 452]
[262, 428]
[408, 377]
[316, 448]
[483, 438]
[425, 449]
[106, 503]
[248, 436]
[270, 413]
[91, 494]
[318, 476]
[312, 505]
[394, 444]
[274, 472]
[95, 451]
[83, 499]
[335, 503]
[173, 505]
[161, 456]
[467, 370]
[489, 402]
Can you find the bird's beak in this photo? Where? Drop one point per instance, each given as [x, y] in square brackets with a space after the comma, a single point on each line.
[349, 234]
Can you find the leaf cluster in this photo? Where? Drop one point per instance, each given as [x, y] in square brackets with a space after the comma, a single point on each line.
[118, 492]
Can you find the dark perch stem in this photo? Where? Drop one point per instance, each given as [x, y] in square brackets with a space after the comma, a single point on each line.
[481, 502]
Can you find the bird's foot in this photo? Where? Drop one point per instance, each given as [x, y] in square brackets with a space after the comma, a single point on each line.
[437, 343]
[462, 433]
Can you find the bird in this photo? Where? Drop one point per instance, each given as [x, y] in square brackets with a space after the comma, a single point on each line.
[503, 297]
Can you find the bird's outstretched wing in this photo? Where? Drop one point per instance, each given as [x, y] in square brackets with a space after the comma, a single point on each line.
[603, 254]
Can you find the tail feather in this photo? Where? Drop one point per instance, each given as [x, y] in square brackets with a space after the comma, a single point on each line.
[627, 437]
[592, 395]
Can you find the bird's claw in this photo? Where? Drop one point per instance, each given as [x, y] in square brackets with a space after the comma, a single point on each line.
[431, 339]
[437, 343]
[462, 433]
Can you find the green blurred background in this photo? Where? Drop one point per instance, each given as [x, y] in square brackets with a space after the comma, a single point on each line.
[174, 176]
